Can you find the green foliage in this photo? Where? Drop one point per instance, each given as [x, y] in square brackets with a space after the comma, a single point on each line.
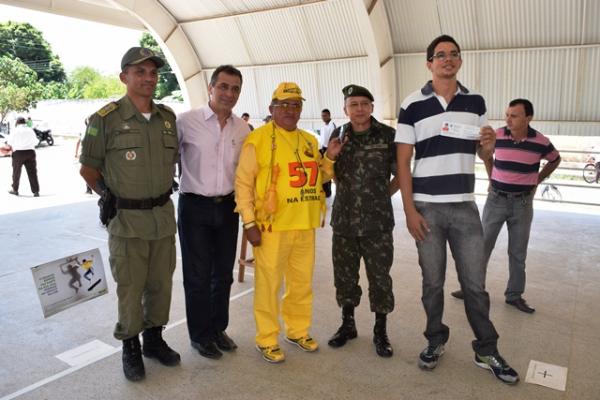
[55, 90]
[23, 41]
[79, 79]
[87, 83]
[167, 81]
[104, 88]
[19, 86]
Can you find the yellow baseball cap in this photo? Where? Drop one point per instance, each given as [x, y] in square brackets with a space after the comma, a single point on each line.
[286, 91]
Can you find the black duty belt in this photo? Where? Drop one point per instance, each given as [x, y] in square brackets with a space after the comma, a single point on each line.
[214, 199]
[143, 204]
[511, 195]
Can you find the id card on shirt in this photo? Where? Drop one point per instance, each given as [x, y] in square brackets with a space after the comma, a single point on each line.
[460, 131]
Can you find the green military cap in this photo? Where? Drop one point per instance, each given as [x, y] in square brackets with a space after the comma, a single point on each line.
[355, 90]
[136, 55]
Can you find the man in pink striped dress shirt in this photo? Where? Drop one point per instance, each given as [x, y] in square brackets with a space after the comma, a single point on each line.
[210, 141]
[514, 175]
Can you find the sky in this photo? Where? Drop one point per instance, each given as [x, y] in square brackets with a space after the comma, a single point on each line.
[78, 42]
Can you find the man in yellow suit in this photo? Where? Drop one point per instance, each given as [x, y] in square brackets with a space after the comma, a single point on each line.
[279, 196]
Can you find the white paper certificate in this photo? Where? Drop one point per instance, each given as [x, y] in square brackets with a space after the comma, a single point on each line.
[460, 131]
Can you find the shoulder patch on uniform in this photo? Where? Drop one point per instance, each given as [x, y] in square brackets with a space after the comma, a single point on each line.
[107, 109]
[91, 131]
[166, 108]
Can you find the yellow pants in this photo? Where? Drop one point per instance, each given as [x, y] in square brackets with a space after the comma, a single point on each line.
[287, 256]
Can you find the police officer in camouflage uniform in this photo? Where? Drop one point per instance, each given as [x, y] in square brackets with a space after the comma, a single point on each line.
[362, 217]
[130, 148]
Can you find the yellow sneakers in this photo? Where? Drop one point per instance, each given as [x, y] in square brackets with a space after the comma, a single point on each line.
[306, 343]
[272, 354]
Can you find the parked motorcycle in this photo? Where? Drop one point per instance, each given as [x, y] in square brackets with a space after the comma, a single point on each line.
[44, 136]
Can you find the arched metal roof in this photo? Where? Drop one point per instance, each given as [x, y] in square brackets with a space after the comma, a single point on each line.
[544, 50]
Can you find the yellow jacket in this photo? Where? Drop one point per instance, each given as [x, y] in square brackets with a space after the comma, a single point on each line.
[300, 202]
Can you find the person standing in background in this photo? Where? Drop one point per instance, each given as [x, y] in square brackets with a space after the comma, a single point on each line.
[325, 133]
[22, 143]
[246, 117]
[514, 174]
[88, 190]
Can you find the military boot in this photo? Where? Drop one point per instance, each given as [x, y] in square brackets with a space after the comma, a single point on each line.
[156, 347]
[380, 338]
[348, 329]
[133, 365]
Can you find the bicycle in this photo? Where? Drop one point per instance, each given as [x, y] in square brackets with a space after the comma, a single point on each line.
[591, 171]
[551, 193]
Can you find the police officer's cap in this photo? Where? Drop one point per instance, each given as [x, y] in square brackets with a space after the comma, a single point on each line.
[355, 90]
[136, 55]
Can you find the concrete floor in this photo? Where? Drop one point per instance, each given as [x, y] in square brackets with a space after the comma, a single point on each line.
[563, 282]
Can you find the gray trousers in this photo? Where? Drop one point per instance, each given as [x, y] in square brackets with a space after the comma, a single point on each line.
[458, 225]
[143, 270]
[517, 212]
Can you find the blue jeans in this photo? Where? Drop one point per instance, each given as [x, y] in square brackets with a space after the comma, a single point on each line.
[457, 224]
[517, 212]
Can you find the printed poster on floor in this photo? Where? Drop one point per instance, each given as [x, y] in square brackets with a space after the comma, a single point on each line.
[68, 281]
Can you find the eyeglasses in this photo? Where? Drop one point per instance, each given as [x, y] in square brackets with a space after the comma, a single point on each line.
[289, 106]
[454, 55]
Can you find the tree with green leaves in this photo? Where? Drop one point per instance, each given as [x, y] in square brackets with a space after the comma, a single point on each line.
[167, 81]
[87, 83]
[19, 86]
[23, 41]
[79, 79]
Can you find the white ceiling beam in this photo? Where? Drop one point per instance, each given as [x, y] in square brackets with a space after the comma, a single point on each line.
[82, 10]
[374, 27]
[175, 44]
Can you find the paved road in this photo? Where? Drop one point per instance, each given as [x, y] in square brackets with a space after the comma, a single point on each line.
[58, 173]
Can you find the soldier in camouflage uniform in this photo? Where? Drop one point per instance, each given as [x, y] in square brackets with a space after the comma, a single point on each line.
[362, 217]
[130, 148]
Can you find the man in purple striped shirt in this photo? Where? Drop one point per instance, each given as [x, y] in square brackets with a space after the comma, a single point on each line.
[514, 175]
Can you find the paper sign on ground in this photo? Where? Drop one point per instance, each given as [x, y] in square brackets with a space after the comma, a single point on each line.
[68, 281]
[86, 353]
[549, 375]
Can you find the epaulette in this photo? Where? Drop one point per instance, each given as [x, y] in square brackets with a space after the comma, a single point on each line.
[107, 109]
[166, 108]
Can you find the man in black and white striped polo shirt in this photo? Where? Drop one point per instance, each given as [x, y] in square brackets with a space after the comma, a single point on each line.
[445, 125]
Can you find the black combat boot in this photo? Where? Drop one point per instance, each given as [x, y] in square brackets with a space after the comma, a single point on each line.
[156, 347]
[348, 329]
[133, 366]
[380, 338]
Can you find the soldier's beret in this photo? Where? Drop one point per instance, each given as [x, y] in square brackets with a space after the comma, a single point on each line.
[355, 90]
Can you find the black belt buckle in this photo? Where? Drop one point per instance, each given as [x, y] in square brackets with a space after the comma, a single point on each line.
[146, 204]
[212, 199]
[143, 204]
[220, 199]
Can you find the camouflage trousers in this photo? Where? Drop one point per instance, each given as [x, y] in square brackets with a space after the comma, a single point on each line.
[377, 251]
